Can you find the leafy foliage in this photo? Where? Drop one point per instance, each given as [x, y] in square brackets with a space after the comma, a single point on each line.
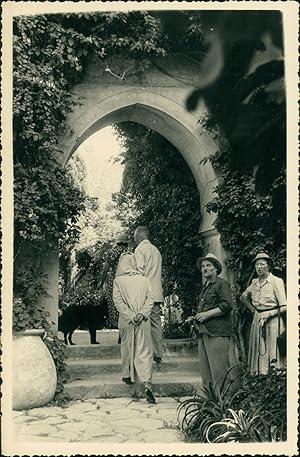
[58, 351]
[248, 221]
[80, 296]
[50, 55]
[176, 330]
[210, 405]
[28, 286]
[89, 264]
[268, 394]
[243, 74]
[38, 217]
[252, 410]
[254, 94]
[162, 194]
[250, 200]
[239, 427]
[28, 316]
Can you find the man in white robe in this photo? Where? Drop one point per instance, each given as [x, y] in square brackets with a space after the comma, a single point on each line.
[133, 298]
[149, 263]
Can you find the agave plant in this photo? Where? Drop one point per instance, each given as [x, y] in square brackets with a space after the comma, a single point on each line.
[244, 427]
[210, 405]
[240, 427]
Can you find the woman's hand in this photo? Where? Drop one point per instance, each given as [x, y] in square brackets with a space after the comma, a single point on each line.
[201, 317]
[189, 319]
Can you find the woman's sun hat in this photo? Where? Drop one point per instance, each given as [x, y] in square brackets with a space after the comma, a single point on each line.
[262, 255]
[211, 258]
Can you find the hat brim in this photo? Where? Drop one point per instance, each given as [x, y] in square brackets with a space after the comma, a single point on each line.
[262, 258]
[215, 262]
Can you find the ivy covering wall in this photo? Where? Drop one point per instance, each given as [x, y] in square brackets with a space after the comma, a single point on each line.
[50, 55]
[158, 190]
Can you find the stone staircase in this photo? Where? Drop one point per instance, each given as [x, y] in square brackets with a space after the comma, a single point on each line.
[95, 370]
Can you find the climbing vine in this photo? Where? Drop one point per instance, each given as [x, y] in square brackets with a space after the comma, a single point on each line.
[50, 56]
[244, 91]
[247, 106]
[159, 191]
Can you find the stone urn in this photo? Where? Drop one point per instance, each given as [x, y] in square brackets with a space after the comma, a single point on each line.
[34, 372]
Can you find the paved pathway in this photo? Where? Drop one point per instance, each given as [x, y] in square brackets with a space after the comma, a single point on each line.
[116, 420]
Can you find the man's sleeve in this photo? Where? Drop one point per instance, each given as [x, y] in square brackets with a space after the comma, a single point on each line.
[225, 300]
[140, 260]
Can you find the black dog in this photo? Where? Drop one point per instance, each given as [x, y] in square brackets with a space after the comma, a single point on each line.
[91, 317]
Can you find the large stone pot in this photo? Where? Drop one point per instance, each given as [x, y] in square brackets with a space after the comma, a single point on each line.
[34, 372]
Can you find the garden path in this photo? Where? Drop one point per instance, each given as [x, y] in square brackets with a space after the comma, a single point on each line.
[114, 420]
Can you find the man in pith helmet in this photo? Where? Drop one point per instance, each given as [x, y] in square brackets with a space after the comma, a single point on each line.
[212, 322]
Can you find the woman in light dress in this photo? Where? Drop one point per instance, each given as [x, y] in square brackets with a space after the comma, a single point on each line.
[266, 299]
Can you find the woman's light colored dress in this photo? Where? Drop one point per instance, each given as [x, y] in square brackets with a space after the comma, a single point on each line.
[263, 348]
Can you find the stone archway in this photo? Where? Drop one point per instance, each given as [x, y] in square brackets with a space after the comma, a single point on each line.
[161, 114]
[158, 103]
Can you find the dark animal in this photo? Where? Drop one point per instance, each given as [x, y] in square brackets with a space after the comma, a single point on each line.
[85, 317]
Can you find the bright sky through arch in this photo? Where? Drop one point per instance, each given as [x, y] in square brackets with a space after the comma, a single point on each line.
[103, 176]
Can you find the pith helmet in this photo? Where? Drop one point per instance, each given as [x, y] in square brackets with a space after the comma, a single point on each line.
[123, 238]
[211, 258]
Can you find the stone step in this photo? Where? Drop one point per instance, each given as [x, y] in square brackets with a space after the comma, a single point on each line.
[171, 348]
[83, 369]
[111, 386]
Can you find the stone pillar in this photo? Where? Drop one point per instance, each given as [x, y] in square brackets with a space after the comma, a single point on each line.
[50, 266]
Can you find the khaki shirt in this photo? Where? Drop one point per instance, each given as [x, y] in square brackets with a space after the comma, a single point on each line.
[267, 295]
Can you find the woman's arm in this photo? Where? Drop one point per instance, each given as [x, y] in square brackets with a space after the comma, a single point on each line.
[245, 298]
[279, 292]
[246, 302]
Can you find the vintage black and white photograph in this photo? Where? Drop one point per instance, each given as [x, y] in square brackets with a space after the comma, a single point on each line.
[152, 170]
